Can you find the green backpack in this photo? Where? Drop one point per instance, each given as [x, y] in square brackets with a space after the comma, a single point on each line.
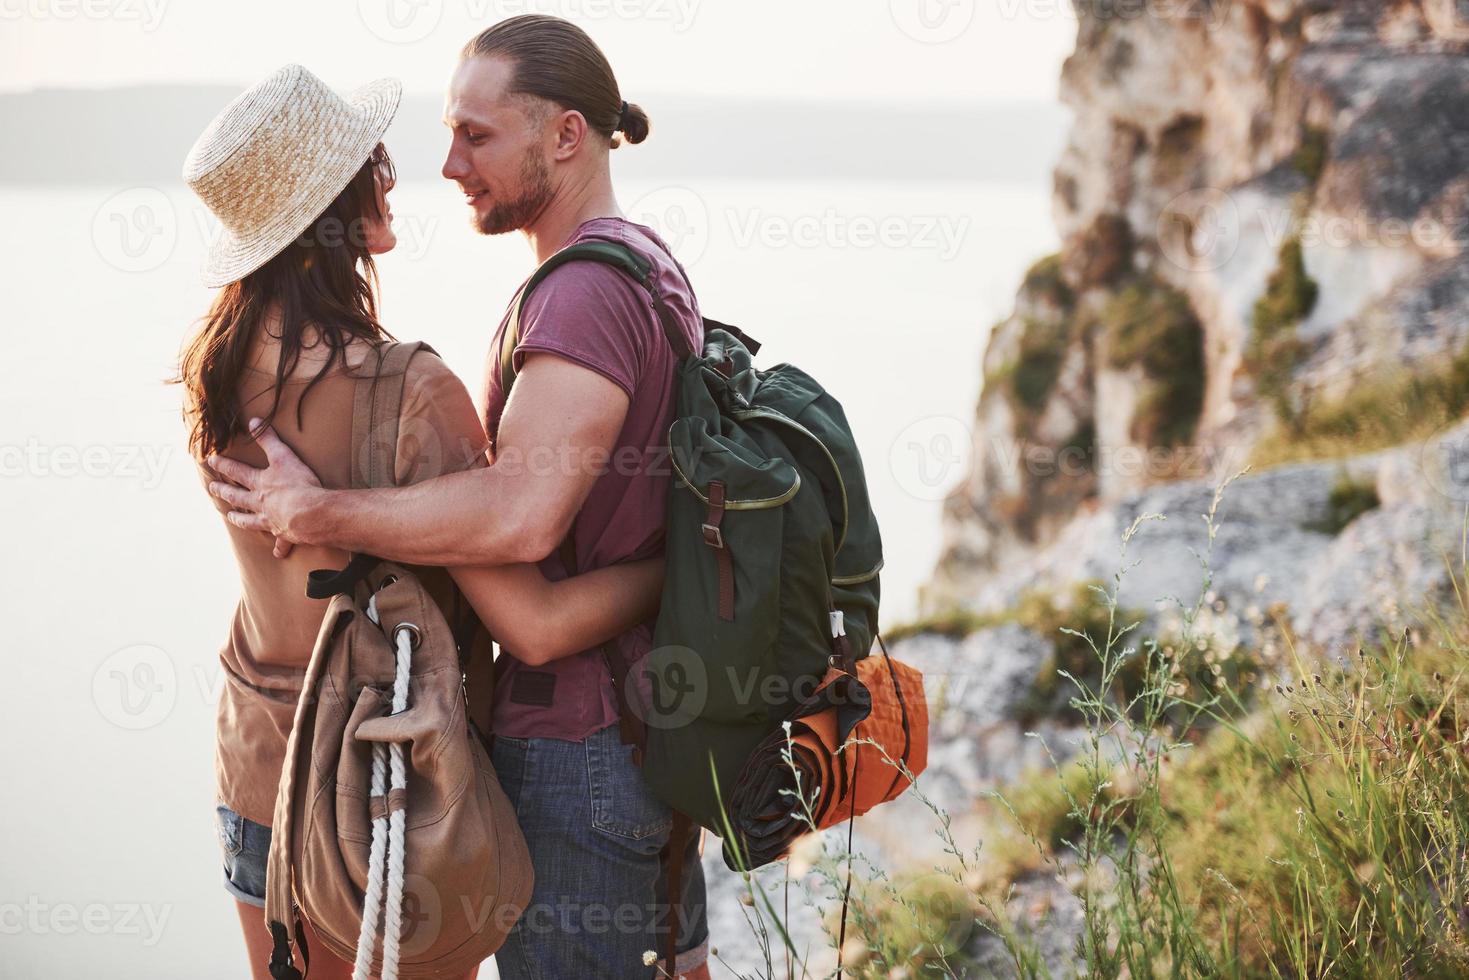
[772, 550]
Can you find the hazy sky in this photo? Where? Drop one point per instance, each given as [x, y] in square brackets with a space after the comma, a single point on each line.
[853, 50]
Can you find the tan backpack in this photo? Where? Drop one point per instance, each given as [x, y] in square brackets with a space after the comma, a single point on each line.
[390, 823]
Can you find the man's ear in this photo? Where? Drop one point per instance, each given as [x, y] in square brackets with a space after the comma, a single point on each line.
[571, 133]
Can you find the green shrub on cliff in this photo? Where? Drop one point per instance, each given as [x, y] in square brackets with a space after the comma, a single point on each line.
[1149, 324]
[1377, 413]
[1275, 352]
[1349, 499]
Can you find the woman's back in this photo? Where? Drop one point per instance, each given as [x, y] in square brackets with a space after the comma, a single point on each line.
[275, 625]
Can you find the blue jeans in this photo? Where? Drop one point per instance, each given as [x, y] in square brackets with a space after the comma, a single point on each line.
[245, 845]
[595, 833]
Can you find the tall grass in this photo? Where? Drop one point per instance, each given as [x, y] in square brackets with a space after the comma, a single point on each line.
[1319, 833]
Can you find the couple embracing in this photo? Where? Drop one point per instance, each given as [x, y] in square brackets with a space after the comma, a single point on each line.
[557, 554]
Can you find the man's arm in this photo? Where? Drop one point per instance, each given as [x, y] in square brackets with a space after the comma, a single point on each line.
[557, 435]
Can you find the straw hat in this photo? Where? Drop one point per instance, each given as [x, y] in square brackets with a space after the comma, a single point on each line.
[271, 162]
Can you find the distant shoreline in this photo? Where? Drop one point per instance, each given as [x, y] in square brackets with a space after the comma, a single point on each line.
[140, 135]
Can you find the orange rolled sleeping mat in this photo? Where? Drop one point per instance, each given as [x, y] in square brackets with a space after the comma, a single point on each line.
[834, 764]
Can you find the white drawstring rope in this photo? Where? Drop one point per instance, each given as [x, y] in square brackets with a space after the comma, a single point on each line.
[387, 833]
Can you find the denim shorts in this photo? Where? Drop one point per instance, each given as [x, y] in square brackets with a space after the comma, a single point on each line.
[595, 833]
[246, 846]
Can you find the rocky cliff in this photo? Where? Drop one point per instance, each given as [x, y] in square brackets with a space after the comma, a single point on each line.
[1263, 206]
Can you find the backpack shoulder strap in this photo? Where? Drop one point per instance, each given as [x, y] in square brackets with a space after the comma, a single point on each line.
[375, 412]
[376, 405]
[611, 253]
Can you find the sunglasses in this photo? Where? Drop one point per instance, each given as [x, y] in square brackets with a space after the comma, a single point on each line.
[382, 165]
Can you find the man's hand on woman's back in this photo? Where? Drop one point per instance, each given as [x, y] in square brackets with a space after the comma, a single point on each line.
[276, 499]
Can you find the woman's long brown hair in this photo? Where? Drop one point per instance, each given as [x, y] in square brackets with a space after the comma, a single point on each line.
[325, 281]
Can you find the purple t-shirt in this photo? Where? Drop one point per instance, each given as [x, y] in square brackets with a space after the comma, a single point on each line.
[598, 317]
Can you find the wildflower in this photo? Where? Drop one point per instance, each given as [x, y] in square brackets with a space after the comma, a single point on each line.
[649, 957]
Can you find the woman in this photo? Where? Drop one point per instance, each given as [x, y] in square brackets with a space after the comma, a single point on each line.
[299, 178]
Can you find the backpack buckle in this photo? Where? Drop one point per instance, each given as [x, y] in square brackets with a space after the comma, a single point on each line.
[713, 537]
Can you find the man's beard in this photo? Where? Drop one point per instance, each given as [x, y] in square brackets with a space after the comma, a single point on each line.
[535, 192]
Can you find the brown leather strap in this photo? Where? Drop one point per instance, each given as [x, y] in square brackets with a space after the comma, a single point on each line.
[847, 894]
[375, 409]
[382, 806]
[376, 405]
[678, 843]
[714, 538]
[279, 901]
[907, 721]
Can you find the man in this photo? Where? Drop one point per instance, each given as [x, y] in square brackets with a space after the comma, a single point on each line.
[534, 109]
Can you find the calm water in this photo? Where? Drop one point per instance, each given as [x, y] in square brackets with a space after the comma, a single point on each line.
[119, 584]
